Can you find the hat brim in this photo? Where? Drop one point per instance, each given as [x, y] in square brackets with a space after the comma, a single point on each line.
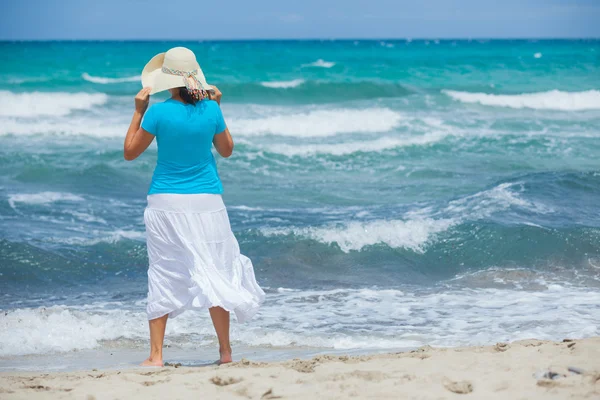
[152, 76]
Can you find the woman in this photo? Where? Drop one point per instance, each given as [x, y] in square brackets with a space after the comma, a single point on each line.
[195, 260]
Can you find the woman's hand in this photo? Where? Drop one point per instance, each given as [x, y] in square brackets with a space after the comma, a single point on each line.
[142, 99]
[217, 96]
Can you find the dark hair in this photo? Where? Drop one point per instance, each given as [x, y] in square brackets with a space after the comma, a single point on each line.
[194, 96]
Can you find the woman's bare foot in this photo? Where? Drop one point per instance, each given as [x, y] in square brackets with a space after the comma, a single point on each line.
[225, 356]
[150, 362]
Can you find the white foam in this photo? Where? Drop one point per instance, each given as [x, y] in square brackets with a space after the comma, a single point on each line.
[283, 84]
[344, 148]
[537, 55]
[551, 100]
[245, 208]
[418, 228]
[41, 198]
[448, 318]
[70, 127]
[34, 104]
[95, 236]
[499, 198]
[326, 319]
[320, 63]
[284, 121]
[319, 123]
[61, 329]
[413, 234]
[85, 216]
[105, 81]
[482, 205]
[21, 80]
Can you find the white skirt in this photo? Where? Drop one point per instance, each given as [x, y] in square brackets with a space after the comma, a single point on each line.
[195, 259]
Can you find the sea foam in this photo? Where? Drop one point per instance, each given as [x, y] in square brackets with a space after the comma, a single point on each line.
[319, 123]
[345, 148]
[283, 121]
[320, 63]
[296, 318]
[411, 234]
[41, 198]
[418, 228]
[488, 202]
[71, 126]
[105, 81]
[283, 84]
[60, 329]
[34, 104]
[551, 100]
[95, 236]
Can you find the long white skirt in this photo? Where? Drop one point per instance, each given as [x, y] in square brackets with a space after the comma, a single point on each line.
[195, 259]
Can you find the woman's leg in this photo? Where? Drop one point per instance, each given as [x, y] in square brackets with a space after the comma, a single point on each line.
[157, 336]
[220, 319]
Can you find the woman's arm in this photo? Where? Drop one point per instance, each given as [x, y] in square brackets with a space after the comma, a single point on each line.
[137, 139]
[223, 141]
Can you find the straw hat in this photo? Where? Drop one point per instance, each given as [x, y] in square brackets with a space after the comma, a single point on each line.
[175, 68]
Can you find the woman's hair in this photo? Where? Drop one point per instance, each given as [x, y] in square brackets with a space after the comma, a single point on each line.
[193, 96]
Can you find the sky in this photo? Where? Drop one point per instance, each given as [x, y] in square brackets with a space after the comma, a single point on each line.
[298, 19]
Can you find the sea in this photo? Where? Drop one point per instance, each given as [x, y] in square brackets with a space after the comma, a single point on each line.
[390, 193]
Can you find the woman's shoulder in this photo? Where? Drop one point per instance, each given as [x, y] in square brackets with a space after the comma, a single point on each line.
[211, 104]
[163, 107]
[207, 106]
[159, 105]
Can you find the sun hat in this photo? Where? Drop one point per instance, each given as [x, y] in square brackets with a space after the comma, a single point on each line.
[175, 68]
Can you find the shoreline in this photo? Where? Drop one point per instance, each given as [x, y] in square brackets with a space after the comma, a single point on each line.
[519, 370]
[118, 358]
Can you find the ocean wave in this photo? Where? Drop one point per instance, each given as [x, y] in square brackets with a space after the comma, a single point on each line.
[86, 217]
[58, 329]
[551, 100]
[283, 84]
[288, 319]
[317, 91]
[69, 127]
[270, 121]
[483, 205]
[105, 81]
[320, 63]
[491, 313]
[519, 278]
[319, 123]
[41, 198]
[499, 198]
[340, 149]
[418, 228]
[27, 79]
[33, 104]
[412, 234]
[93, 237]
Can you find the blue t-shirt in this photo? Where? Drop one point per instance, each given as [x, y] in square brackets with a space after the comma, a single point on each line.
[184, 135]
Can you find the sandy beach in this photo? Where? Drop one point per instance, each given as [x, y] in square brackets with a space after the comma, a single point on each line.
[519, 370]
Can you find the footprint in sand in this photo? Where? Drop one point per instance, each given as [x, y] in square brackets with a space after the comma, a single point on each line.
[219, 381]
[461, 387]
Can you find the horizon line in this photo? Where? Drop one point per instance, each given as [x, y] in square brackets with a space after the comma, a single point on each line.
[408, 39]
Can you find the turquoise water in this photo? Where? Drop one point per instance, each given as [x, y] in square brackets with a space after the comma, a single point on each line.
[389, 193]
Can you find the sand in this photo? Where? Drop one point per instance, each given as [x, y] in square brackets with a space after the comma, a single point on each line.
[504, 371]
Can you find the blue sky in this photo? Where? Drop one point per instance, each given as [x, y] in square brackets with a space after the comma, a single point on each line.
[302, 19]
